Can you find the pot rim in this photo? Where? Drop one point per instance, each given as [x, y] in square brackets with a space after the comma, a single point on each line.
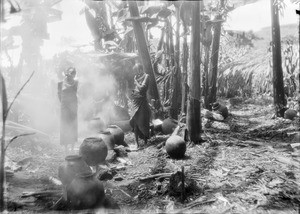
[85, 175]
[73, 157]
[105, 132]
[92, 138]
[113, 126]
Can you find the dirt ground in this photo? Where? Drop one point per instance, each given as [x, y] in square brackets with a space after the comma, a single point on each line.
[248, 164]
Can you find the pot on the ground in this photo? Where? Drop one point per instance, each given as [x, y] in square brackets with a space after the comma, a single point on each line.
[73, 165]
[93, 151]
[169, 125]
[290, 114]
[175, 147]
[108, 139]
[118, 134]
[86, 192]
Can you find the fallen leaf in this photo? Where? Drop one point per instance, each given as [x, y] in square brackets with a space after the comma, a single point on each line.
[274, 183]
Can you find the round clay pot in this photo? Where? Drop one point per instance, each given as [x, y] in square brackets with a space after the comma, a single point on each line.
[221, 109]
[175, 146]
[96, 124]
[108, 139]
[118, 134]
[93, 151]
[169, 125]
[290, 114]
[86, 192]
[73, 165]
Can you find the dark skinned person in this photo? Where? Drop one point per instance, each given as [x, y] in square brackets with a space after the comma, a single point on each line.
[67, 94]
[140, 120]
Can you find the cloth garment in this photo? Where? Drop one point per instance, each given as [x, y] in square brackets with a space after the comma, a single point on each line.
[67, 94]
[141, 110]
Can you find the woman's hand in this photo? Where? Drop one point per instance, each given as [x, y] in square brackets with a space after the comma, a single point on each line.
[135, 80]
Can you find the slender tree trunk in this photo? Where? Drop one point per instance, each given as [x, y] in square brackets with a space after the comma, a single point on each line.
[144, 54]
[2, 170]
[298, 12]
[2, 18]
[214, 60]
[185, 57]
[167, 48]
[176, 95]
[193, 105]
[207, 43]
[278, 88]
[206, 81]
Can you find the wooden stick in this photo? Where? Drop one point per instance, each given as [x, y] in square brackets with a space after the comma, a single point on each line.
[155, 176]
[42, 193]
[57, 203]
[196, 203]
[182, 186]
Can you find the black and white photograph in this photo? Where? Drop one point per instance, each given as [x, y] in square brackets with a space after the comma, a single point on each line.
[128, 106]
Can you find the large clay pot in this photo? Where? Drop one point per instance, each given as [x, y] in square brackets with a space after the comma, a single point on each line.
[118, 134]
[96, 125]
[290, 114]
[86, 192]
[169, 125]
[108, 139]
[93, 151]
[73, 165]
[175, 146]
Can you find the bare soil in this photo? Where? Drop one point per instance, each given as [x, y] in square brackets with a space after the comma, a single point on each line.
[247, 165]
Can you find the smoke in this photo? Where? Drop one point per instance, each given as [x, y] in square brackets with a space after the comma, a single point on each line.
[38, 105]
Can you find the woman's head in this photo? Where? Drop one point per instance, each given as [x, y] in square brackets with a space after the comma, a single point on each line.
[138, 68]
[70, 72]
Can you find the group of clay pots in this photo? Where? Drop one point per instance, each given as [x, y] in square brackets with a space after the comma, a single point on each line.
[82, 190]
[175, 145]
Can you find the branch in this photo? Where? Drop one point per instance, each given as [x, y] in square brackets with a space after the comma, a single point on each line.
[15, 137]
[155, 176]
[21, 89]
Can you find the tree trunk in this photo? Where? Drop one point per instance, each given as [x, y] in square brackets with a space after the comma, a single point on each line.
[298, 12]
[214, 60]
[207, 43]
[176, 95]
[193, 105]
[278, 88]
[144, 54]
[98, 24]
[2, 18]
[185, 57]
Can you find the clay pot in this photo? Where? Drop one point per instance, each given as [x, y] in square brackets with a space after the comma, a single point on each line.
[290, 114]
[86, 192]
[118, 134]
[220, 109]
[93, 151]
[108, 139]
[169, 125]
[175, 147]
[73, 165]
[96, 124]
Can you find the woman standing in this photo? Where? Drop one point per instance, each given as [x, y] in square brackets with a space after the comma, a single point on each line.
[67, 94]
[140, 120]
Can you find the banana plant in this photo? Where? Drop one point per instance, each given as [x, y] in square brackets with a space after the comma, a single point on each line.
[5, 110]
